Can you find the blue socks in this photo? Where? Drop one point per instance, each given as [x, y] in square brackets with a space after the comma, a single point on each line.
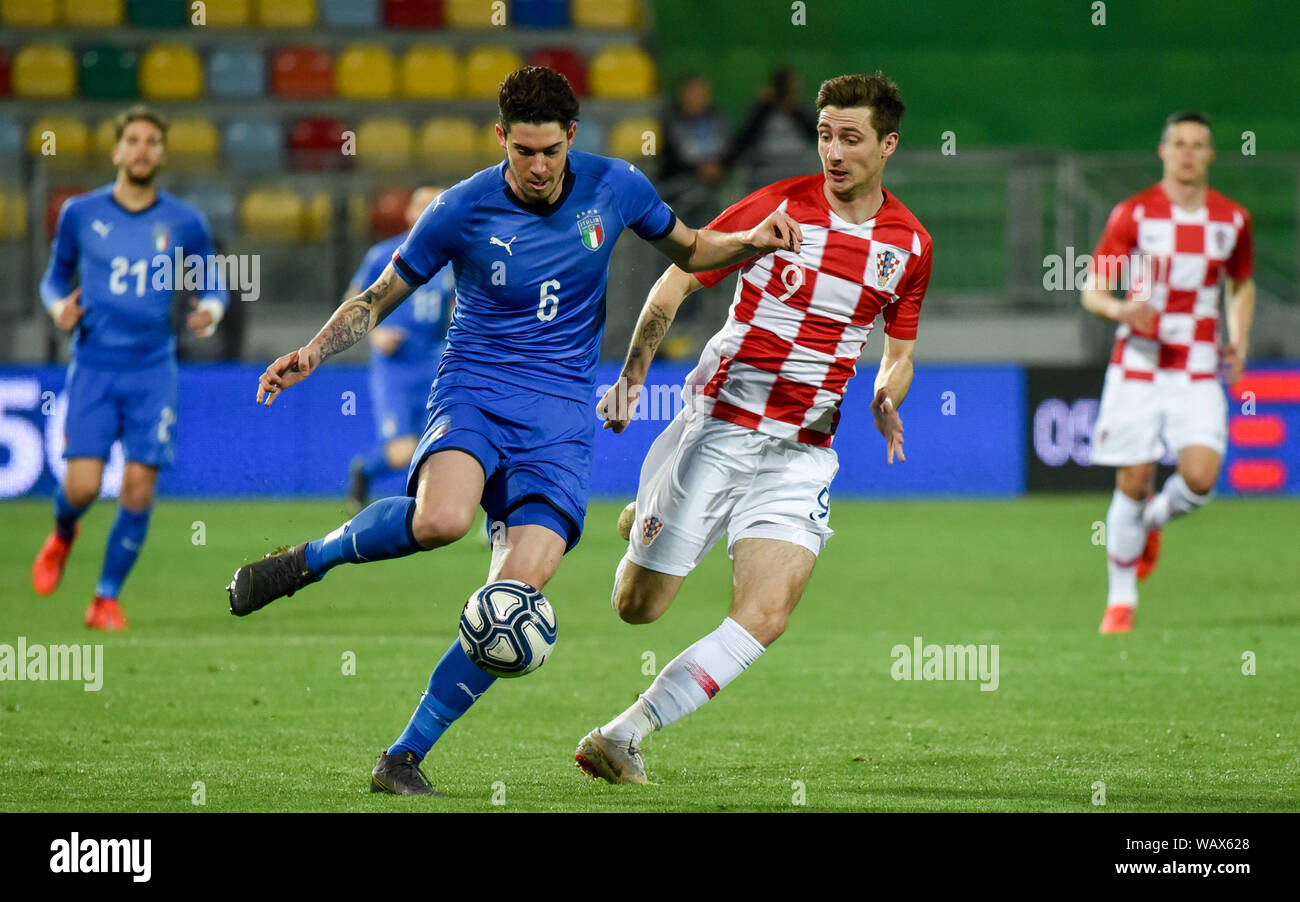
[124, 543]
[456, 684]
[65, 515]
[379, 533]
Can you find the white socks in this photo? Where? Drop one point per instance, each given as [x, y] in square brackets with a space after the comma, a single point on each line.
[1174, 500]
[1125, 538]
[689, 680]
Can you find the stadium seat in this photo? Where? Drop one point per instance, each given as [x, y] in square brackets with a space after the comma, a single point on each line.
[66, 136]
[192, 144]
[219, 206]
[103, 139]
[413, 13]
[430, 73]
[54, 203]
[567, 62]
[92, 13]
[365, 72]
[449, 143]
[489, 147]
[11, 143]
[469, 13]
[606, 14]
[228, 13]
[302, 72]
[385, 144]
[271, 214]
[235, 72]
[253, 145]
[485, 67]
[13, 214]
[591, 135]
[286, 13]
[44, 70]
[6, 82]
[317, 142]
[350, 13]
[540, 13]
[171, 72]
[316, 217]
[157, 13]
[622, 73]
[29, 13]
[628, 138]
[109, 73]
[388, 212]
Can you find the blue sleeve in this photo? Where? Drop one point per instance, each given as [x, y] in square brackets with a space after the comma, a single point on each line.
[369, 270]
[215, 287]
[432, 241]
[56, 284]
[642, 208]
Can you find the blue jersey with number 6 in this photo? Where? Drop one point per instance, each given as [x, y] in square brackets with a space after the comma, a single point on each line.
[530, 280]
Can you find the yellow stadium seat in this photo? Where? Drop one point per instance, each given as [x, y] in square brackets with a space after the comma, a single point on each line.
[271, 214]
[13, 214]
[628, 139]
[316, 217]
[286, 13]
[448, 142]
[605, 13]
[28, 13]
[364, 71]
[470, 14]
[488, 145]
[228, 13]
[430, 73]
[192, 143]
[622, 73]
[101, 143]
[92, 13]
[385, 144]
[44, 70]
[485, 67]
[171, 72]
[60, 141]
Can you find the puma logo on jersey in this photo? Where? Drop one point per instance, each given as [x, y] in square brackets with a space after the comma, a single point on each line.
[101, 228]
[506, 244]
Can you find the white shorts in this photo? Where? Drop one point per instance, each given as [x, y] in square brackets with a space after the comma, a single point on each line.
[703, 475]
[1138, 420]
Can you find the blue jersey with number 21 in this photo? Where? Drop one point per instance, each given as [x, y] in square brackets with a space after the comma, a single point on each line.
[530, 280]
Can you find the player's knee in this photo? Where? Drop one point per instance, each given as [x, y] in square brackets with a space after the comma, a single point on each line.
[436, 525]
[765, 626]
[634, 602]
[1135, 481]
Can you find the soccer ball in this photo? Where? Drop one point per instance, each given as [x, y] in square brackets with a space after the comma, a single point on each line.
[508, 628]
[625, 521]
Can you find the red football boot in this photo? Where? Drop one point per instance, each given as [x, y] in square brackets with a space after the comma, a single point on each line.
[105, 614]
[1118, 619]
[1150, 554]
[47, 569]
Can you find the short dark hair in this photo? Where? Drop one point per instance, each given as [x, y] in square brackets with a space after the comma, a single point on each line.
[536, 95]
[1185, 116]
[874, 91]
[139, 113]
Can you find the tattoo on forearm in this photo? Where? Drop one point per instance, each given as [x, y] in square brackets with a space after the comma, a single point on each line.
[352, 320]
[650, 332]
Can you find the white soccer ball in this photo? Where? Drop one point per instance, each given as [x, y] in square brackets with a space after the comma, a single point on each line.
[508, 628]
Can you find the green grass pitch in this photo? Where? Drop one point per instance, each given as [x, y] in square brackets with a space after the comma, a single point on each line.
[260, 711]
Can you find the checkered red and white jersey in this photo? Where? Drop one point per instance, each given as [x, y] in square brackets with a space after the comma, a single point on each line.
[1184, 254]
[798, 322]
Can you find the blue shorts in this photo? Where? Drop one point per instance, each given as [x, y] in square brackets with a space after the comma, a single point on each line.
[137, 406]
[400, 400]
[535, 450]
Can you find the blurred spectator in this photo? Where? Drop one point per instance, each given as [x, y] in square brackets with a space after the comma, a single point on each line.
[775, 141]
[695, 134]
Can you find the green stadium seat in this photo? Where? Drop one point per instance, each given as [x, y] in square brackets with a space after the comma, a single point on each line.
[157, 13]
[109, 73]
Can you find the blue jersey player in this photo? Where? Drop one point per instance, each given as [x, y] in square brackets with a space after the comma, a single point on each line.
[117, 245]
[510, 423]
[404, 355]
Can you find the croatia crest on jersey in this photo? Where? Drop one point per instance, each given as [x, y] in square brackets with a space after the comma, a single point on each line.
[591, 229]
[651, 529]
[886, 264]
[162, 238]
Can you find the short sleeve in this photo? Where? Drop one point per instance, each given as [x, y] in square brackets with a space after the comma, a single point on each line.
[642, 209]
[743, 214]
[902, 316]
[432, 241]
[1242, 262]
[1118, 240]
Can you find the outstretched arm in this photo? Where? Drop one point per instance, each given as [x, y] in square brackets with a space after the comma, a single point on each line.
[350, 322]
[661, 305]
[700, 250]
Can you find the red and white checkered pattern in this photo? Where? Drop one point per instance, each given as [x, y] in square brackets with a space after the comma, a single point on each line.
[798, 322]
[1184, 254]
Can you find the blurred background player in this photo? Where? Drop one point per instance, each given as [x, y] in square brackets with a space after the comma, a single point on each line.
[122, 378]
[1162, 386]
[510, 427]
[404, 356]
[750, 452]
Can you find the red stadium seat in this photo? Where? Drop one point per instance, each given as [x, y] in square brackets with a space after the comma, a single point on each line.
[54, 202]
[388, 212]
[413, 13]
[567, 62]
[302, 72]
[5, 87]
[317, 143]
